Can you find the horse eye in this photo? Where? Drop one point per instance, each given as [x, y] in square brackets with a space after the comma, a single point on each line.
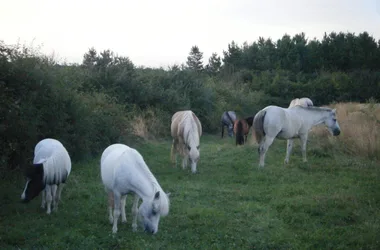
[198, 147]
[188, 147]
[334, 120]
[154, 212]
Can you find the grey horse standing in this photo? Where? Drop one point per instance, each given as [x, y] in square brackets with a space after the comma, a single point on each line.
[228, 120]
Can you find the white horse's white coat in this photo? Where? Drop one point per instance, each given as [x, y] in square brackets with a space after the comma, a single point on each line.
[56, 169]
[123, 170]
[288, 123]
[303, 102]
[186, 131]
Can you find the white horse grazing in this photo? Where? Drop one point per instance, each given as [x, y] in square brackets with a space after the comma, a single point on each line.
[123, 171]
[304, 102]
[288, 123]
[186, 131]
[50, 170]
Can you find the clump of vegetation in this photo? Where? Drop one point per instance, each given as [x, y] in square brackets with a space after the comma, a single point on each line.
[360, 126]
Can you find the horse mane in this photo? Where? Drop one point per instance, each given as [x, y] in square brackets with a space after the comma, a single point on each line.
[164, 199]
[189, 125]
[314, 108]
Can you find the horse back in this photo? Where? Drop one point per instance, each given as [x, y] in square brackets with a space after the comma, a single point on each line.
[178, 122]
[282, 121]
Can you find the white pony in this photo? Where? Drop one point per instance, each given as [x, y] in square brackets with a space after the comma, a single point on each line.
[186, 131]
[123, 170]
[304, 102]
[50, 170]
[288, 123]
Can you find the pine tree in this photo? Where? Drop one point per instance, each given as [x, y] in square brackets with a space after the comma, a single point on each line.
[194, 60]
[214, 64]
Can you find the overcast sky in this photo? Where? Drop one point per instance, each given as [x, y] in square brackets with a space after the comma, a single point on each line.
[161, 32]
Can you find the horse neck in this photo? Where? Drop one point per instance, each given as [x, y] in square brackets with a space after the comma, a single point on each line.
[164, 199]
[149, 183]
[315, 116]
[229, 117]
[191, 134]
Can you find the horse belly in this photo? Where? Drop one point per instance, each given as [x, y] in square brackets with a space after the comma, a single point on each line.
[286, 135]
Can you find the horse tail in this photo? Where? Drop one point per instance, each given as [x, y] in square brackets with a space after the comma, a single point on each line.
[258, 125]
[239, 133]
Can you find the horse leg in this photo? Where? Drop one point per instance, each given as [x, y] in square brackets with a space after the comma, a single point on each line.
[43, 202]
[123, 216]
[110, 206]
[54, 196]
[59, 192]
[134, 212]
[263, 148]
[222, 130]
[172, 151]
[303, 146]
[184, 161]
[289, 148]
[48, 198]
[116, 210]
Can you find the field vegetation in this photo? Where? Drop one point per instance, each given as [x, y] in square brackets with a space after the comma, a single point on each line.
[331, 202]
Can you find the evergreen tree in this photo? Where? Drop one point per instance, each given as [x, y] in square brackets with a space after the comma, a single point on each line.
[214, 64]
[194, 60]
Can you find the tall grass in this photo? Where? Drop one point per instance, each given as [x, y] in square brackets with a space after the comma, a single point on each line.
[360, 130]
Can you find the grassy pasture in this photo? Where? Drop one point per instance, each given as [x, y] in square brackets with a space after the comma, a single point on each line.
[331, 202]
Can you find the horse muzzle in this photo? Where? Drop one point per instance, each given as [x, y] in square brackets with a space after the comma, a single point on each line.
[336, 132]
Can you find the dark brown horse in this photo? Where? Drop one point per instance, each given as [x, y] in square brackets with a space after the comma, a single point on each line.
[241, 129]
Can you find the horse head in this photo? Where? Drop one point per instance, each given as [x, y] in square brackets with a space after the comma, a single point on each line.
[152, 209]
[193, 151]
[332, 124]
[34, 184]
[230, 129]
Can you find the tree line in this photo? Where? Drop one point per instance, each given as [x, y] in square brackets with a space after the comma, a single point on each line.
[92, 104]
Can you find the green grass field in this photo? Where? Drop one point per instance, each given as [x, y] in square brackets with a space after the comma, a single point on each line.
[331, 202]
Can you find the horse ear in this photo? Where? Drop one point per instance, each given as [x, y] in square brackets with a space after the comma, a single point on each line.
[334, 110]
[157, 195]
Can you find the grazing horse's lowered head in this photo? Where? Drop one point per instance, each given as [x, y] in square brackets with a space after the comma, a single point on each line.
[186, 131]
